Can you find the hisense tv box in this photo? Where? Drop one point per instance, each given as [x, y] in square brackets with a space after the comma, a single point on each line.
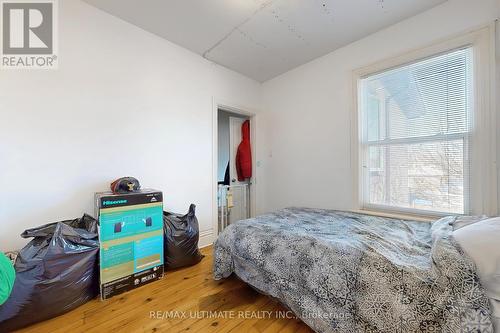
[131, 240]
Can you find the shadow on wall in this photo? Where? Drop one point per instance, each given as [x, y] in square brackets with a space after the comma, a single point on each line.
[57, 210]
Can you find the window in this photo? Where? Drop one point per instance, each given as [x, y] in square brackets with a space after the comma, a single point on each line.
[415, 126]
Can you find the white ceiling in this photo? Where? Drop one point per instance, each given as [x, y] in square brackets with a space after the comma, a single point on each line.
[263, 38]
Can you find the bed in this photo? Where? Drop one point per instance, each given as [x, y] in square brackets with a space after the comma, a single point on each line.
[348, 272]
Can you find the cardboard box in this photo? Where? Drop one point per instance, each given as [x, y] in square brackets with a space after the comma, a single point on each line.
[131, 240]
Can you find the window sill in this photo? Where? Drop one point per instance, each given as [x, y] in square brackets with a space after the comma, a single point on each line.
[401, 216]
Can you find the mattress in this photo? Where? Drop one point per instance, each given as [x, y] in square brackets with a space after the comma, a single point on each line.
[348, 272]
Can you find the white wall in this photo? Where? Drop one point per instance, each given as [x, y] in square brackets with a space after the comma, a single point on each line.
[497, 96]
[307, 110]
[223, 143]
[123, 102]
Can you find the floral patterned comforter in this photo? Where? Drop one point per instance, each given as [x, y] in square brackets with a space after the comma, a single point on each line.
[347, 272]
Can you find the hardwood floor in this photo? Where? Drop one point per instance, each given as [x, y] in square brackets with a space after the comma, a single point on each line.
[185, 300]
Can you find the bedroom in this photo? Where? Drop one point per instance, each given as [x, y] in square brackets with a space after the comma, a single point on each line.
[329, 88]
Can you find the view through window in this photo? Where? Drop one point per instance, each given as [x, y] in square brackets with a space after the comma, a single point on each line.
[416, 122]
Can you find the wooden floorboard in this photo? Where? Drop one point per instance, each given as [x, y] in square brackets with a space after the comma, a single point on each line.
[208, 306]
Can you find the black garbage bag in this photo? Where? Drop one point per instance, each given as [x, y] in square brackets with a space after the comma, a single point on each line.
[55, 272]
[181, 239]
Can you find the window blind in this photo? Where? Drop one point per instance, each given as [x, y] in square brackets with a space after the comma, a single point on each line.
[415, 126]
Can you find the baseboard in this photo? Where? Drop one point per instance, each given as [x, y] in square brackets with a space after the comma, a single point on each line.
[207, 238]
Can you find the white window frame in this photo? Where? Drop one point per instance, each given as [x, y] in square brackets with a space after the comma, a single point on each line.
[482, 138]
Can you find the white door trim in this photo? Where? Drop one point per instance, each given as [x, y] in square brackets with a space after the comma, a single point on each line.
[252, 115]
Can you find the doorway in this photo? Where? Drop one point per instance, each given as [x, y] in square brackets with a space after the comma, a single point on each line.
[234, 194]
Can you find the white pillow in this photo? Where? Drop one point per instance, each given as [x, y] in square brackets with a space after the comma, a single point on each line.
[481, 242]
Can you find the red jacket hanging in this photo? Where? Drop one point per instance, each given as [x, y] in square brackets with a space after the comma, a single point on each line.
[244, 154]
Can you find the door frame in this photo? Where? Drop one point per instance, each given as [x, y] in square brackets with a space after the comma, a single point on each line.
[251, 114]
